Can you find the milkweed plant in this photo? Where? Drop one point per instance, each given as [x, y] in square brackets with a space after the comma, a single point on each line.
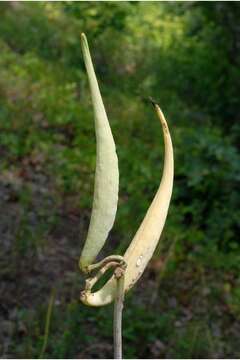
[127, 269]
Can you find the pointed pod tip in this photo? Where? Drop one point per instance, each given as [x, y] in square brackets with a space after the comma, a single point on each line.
[152, 101]
[162, 119]
[155, 104]
[83, 38]
[157, 107]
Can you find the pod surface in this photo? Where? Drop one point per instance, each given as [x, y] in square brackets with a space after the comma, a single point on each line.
[106, 184]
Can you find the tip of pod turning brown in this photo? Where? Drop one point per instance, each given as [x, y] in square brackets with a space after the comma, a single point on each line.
[152, 101]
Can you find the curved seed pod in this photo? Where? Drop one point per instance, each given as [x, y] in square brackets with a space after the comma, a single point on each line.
[145, 241]
[106, 174]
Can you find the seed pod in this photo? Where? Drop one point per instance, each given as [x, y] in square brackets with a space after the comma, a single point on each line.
[145, 241]
[106, 174]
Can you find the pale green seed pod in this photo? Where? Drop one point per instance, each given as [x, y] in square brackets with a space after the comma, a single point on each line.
[106, 174]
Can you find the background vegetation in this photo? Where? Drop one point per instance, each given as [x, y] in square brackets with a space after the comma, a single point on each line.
[186, 56]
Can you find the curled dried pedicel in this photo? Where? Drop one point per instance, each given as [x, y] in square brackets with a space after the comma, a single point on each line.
[106, 174]
[145, 241]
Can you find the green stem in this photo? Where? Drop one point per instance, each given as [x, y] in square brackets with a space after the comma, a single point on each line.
[47, 324]
[118, 309]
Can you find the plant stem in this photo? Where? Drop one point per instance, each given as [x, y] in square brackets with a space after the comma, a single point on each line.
[117, 318]
[47, 324]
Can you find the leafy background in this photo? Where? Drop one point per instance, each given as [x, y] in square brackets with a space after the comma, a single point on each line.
[186, 56]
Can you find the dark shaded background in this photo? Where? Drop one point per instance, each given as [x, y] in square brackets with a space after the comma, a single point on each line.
[186, 56]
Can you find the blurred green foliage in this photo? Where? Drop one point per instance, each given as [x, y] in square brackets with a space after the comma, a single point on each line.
[184, 55]
[178, 53]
